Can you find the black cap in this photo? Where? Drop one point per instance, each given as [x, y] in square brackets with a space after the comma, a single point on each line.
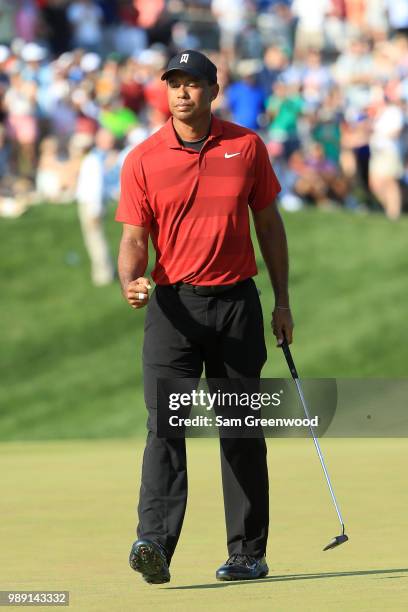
[194, 63]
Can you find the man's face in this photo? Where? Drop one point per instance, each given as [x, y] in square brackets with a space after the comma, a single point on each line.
[104, 140]
[188, 96]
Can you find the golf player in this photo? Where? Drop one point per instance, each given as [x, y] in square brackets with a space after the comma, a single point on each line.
[188, 187]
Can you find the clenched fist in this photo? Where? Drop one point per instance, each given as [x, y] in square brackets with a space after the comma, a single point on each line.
[137, 292]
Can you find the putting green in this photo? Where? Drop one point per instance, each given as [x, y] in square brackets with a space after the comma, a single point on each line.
[68, 517]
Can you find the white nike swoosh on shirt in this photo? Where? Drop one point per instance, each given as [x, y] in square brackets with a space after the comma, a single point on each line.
[228, 155]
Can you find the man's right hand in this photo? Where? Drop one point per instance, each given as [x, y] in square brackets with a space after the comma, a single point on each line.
[137, 293]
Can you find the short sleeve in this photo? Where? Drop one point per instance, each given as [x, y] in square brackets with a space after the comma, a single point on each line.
[133, 207]
[266, 186]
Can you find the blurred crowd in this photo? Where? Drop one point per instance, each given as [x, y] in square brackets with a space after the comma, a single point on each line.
[324, 82]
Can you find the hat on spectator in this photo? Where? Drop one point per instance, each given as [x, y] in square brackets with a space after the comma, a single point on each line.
[249, 67]
[194, 63]
[90, 62]
[4, 53]
[137, 135]
[81, 141]
[31, 52]
[65, 59]
[153, 58]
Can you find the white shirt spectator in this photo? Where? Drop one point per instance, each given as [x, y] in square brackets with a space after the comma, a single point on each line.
[376, 17]
[353, 71]
[311, 14]
[230, 14]
[90, 186]
[91, 197]
[397, 13]
[387, 128]
[86, 19]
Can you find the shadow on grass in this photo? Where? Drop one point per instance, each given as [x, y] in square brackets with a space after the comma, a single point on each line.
[288, 577]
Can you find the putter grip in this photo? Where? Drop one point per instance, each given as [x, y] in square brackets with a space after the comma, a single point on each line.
[289, 359]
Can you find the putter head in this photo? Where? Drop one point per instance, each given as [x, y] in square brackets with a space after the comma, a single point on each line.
[336, 541]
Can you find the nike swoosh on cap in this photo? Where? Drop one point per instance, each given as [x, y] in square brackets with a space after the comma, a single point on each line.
[228, 155]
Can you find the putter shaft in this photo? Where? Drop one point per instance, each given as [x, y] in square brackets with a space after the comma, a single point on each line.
[319, 452]
[293, 371]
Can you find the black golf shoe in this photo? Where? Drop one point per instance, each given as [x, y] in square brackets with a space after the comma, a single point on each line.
[242, 567]
[150, 560]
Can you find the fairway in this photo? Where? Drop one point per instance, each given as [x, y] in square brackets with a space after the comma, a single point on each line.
[70, 509]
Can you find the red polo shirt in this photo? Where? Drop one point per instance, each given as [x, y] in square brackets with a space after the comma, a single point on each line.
[195, 204]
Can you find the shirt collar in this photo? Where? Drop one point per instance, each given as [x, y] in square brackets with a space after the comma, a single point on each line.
[171, 137]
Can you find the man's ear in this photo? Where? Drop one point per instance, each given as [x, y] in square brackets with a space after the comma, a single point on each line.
[214, 91]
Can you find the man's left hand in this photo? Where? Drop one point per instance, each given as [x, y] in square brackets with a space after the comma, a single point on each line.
[282, 325]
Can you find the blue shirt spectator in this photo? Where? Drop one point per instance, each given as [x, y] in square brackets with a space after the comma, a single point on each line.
[246, 101]
[266, 5]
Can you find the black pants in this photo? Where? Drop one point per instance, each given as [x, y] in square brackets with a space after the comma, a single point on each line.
[183, 332]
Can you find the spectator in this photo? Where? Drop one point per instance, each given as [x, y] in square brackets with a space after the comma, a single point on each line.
[21, 106]
[149, 12]
[62, 116]
[246, 99]
[129, 36]
[56, 25]
[4, 79]
[310, 25]
[398, 16]
[230, 16]
[316, 79]
[249, 43]
[386, 164]
[86, 20]
[356, 16]
[49, 171]
[33, 54]
[37, 70]
[78, 146]
[152, 63]
[376, 19]
[275, 60]
[335, 26]
[284, 107]
[278, 24]
[116, 118]
[4, 155]
[404, 187]
[131, 88]
[8, 9]
[326, 128]
[92, 194]
[27, 20]
[354, 71]
[86, 111]
[384, 66]
[355, 151]
[399, 54]
[319, 181]
[107, 80]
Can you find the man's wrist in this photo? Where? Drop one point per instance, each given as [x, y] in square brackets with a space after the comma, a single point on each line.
[124, 283]
[282, 301]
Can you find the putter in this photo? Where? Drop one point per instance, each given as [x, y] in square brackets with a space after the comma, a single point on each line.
[340, 539]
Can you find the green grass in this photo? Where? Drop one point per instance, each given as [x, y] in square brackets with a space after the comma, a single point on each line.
[70, 519]
[70, 353]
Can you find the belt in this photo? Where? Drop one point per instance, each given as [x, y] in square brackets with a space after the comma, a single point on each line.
[207, 290]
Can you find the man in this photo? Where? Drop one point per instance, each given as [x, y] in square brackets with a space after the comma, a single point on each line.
[245, 98]
[97, 172]
[189, 186]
